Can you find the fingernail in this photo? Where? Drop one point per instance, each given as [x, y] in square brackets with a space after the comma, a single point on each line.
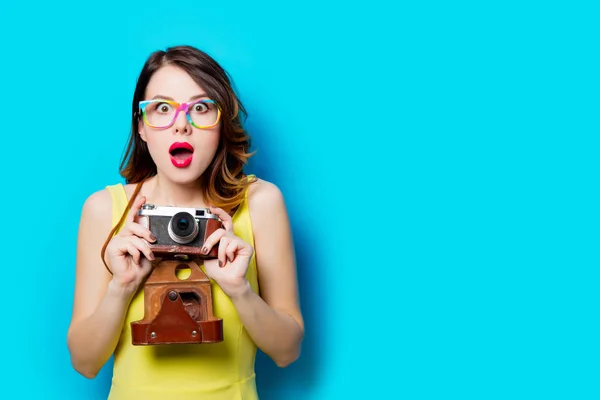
[204, 250]
[152, 237]
[220, 263]
[151, 257]
[229, 259]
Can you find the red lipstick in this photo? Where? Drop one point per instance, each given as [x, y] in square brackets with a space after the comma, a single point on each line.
[181, 154]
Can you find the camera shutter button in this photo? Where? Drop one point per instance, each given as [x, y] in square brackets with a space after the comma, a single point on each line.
[172, 295]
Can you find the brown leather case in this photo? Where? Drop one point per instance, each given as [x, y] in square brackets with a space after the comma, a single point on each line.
[177, 310]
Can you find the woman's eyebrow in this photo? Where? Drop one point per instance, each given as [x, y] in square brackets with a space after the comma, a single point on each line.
[160, 96]
[198, 96]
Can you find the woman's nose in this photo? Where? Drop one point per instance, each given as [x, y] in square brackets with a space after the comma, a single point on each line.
[181, 124]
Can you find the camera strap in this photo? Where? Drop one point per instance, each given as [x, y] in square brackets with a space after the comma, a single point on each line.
[123, 216]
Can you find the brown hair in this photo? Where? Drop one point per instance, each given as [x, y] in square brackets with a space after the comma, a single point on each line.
[225, 180]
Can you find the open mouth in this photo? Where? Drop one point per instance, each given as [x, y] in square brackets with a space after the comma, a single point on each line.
[181, 154]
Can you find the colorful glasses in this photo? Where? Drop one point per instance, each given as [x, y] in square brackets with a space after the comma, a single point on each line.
[158, 113]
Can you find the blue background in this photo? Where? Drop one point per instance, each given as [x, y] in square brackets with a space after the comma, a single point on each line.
[439, 163]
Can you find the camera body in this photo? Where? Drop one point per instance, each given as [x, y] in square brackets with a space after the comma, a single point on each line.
[179, 230]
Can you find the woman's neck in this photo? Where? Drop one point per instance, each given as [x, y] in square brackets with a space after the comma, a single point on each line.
[167, 193]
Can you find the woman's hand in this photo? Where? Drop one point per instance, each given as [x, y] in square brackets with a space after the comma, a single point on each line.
[128, 252]
[230, 267]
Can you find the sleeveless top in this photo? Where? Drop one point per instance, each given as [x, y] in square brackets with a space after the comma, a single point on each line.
[215, 371]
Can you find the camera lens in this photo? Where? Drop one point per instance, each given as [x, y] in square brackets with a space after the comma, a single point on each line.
[183, 224]
[183, 227]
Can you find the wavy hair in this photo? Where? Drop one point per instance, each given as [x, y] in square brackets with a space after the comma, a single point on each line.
[224, 180]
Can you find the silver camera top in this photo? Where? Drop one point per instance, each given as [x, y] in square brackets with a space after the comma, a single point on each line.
[170, 211]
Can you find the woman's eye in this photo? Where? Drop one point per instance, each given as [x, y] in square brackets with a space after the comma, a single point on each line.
[200, 107]
[163, 107]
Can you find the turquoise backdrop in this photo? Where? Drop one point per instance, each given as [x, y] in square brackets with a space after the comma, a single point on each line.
[439, 161]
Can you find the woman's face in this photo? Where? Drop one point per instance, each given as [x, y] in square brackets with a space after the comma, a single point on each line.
[181, 151]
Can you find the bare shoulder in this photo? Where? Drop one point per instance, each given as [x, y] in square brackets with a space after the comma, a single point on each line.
[98, 206]
[270, 223]
[264, 198]
[95, 223]
[91, 276]
[274, 248]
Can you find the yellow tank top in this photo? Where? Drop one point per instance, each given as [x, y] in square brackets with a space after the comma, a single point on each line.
[219, 371]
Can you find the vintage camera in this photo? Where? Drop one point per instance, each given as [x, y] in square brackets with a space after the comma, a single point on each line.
[179, 230]
[178, 309]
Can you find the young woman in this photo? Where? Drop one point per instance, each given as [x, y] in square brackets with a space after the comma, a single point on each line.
[187, 148]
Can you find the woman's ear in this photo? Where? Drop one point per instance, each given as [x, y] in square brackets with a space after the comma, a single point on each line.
[141, 131]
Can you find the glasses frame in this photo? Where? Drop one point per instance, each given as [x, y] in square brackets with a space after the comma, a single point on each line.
[179, 107]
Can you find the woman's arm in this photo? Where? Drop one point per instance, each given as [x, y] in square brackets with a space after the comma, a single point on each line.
[273, 319]
[100, 305]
